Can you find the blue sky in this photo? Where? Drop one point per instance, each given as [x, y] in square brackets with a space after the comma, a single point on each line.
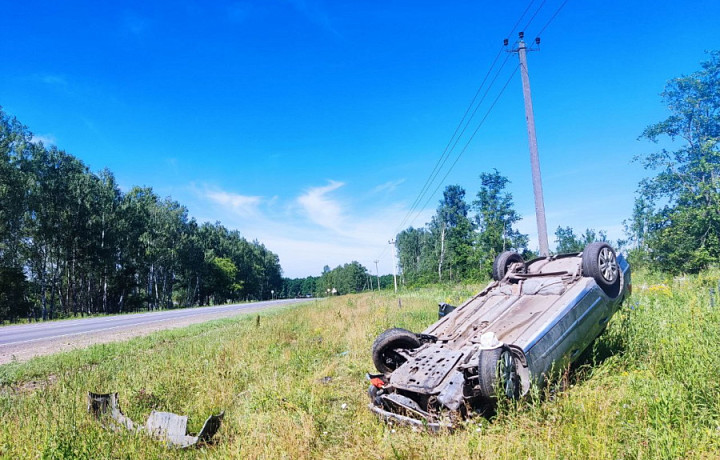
[313, 125]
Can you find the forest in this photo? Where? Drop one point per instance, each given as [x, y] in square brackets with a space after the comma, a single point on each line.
[73, 243]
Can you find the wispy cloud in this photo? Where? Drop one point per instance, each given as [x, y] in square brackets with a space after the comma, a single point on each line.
[388, 186]
[320, 207]
[319, 226]
[54, 82]
[244, 206]
[172, 165]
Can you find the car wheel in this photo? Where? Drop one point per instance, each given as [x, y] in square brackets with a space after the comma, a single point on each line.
[600, 263]
[384, 354]
[497, 369]
[502, 263]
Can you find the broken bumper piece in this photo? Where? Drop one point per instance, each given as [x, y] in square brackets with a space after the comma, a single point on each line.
[395, 408]
[409, 421]
[166, 426]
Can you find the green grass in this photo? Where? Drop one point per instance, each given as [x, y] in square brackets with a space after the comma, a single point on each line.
[293, 386]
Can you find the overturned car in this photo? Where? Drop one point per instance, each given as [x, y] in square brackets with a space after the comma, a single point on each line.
[534, 316]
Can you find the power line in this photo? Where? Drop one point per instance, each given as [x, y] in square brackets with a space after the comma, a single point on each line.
[521, 17]
[456, 137]
[533, 16]
[448, 150]
[557, 11]
[481, 101]
[469, 140]
[445, 155]
[442, 181]
[551, 18]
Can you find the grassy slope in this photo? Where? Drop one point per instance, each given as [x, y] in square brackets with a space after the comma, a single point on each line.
[654, 391]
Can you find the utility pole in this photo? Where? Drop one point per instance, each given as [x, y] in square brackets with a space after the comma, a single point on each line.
[532, 140]
[377, 273]
[394, 264]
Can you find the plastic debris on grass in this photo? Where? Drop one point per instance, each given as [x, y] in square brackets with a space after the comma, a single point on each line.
[165, 426]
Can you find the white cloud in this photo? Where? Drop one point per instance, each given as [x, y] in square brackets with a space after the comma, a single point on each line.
[320, 208]
[245, 206]
[335, 223]
[46, 139]
[388, 186]
[313, 229]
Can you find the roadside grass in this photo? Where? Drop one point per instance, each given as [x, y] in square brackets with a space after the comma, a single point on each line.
[292, 385]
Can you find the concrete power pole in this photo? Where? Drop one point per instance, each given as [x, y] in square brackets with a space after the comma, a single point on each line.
[394, 264]
[532, 140]
[377, 273]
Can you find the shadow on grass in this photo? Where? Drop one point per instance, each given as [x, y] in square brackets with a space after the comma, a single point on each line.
[608, 344]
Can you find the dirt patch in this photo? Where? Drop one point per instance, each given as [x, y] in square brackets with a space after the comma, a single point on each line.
[33, 385]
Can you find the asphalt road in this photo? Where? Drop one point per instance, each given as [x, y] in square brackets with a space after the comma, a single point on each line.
[13, 336]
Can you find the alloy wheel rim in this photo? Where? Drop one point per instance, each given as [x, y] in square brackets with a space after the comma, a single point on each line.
[608, 265]
[508, 373]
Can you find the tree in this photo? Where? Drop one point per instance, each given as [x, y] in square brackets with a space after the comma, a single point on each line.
[15, 147]
[222, 275]
[13, 301]
[677, 212]
[567, 242]
[495, 218]
[452, 231]
[416, 257]
[344, 279]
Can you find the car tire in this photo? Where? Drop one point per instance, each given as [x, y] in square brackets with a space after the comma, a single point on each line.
[383, 349]
[497, 369]
[502, 263]
[599, 262]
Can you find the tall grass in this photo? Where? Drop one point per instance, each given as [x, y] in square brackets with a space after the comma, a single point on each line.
[292, 385]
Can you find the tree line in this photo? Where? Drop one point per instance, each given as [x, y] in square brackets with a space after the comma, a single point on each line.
[461, 240]
[71, 242]
[343, 279]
